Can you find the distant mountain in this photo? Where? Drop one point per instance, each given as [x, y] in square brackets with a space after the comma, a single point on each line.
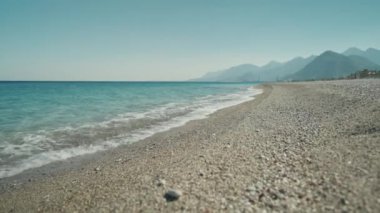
[240, 73]
[272, 65]
[248, 72]
[284, 69]
[371, 54]
[331, 65]
[328, 65]
[353, 51]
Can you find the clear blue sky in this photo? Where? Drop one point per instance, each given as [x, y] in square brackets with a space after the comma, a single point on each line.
[172, 39]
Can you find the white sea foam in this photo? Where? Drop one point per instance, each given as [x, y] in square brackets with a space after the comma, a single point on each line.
[46, 147]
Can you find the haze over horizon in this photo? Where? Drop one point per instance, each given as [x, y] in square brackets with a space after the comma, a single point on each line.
[172, 40]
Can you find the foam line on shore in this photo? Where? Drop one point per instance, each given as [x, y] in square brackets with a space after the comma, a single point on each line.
[200, 110]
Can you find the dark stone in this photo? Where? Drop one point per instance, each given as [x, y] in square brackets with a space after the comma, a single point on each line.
[172, 195]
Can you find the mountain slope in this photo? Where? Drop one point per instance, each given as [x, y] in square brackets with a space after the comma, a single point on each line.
[287, 68]
[244, 72]
[353, 51]
[330, 65]
[371, 54]
[248, 72]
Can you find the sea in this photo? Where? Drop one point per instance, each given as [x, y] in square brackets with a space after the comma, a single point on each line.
[43, 122]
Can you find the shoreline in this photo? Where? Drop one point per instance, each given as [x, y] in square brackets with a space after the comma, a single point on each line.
[76, 163]
[71, 154]
[308, 145]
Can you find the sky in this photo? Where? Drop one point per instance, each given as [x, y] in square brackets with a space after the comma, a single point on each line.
[172, 40]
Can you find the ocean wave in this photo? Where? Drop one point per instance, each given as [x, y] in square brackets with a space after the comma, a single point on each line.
[44, 146]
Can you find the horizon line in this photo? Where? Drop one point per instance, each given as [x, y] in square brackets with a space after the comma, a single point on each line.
[113, 81]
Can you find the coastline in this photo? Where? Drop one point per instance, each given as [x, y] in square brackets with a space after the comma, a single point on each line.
[67, 131]
[310, 146]
[79, 162]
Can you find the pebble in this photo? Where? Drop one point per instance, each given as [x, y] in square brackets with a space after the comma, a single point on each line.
[343, 201]
[308, 160]
[251, 189]
[172, 195]
[161, 182]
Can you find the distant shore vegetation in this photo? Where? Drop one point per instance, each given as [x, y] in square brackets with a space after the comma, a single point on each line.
[365, 73]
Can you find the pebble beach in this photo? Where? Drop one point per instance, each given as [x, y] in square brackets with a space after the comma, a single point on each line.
[297, 147]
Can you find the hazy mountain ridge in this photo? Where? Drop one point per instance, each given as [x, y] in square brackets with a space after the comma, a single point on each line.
[285, 69]
[328, 65]
[371, 54]
[271, 71]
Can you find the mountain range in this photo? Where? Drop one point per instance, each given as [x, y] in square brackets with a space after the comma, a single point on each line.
[328, 65]
[371, 54]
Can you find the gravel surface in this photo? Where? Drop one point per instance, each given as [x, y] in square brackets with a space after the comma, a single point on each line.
[298, 147]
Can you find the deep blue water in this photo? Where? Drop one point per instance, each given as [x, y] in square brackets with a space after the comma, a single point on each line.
[41, 122]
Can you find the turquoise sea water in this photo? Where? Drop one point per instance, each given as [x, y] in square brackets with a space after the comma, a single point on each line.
[42, 122]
